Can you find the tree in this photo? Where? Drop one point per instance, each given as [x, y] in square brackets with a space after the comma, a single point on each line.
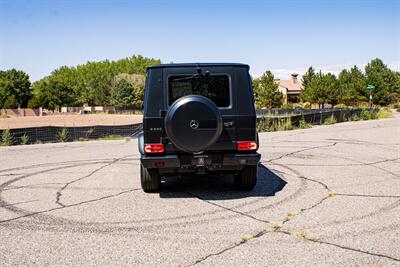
[352, 85]
[137, 82]
[122, 94]
[91, 83]
[308, 93]
[14, 87]
[387, 86]
[266, 91]
[331, 89]
[51, 94]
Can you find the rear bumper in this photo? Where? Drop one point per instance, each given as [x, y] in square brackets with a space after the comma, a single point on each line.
[230, 161]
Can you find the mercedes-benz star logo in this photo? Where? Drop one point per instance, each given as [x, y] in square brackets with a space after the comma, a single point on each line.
[194, 124]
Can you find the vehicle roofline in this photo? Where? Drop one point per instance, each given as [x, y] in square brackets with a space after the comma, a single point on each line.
[179, 65]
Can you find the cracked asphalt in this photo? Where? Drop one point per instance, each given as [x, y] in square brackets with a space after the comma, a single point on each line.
[325, 196]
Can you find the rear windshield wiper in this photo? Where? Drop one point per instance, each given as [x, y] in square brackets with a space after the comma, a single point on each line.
[198, 75]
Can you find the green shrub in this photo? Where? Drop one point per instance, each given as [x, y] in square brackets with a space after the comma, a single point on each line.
[272, 124]
[383, 114]
[7, 138]
[368, 115]
[63, 135]
[355, 117]
[304, 125]
[330, 120]
[340, 106]
[285, 124]
[287, 106]
[112, 137]
[307, 105]
[37, 142]
[24, 139]
[396, 106]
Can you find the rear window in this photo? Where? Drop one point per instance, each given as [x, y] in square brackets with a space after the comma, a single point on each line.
[215, 87]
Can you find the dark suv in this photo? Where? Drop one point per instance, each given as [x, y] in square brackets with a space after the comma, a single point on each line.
[198, 119]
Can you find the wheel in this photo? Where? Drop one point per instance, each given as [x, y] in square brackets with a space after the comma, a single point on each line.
[150, 179]
[247, 178]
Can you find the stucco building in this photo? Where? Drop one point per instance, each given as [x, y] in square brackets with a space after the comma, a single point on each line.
[290, 88]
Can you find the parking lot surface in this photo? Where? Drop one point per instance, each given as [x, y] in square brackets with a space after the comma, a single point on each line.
[325, 196]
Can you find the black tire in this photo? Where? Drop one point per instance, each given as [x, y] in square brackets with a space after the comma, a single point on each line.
[247, 178]
[150, 179]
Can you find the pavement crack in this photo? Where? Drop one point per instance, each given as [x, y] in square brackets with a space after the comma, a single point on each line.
[70, 205]
[345, 247]
[362, 195]
[299, 151]
[223, 207]
[59, 192]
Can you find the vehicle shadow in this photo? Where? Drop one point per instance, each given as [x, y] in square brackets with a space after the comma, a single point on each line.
[220, 187]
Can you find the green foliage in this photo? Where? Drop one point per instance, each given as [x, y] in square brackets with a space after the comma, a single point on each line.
[10, 102]
[112, 137]
[93, 83]
[121, 94]
[352, 86]
[319, 88]
[340, 106]
[63, 135]
[384, 114]
[330, 120]
[367, 115]
[287, 106]
[128, 90]
[15, 89]
[7, 138]
[355, 117]
[386, 82]
[303, 124]
[271, 124]
[24, 140]
[266, 91]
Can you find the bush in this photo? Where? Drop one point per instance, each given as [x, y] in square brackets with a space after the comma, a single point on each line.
[287, 106]
[267, 124]
[330, 120]
[384, 114]
[24, 139]
[304, 125]
[63, 135]
[355, 117]
[340, 106]
[7, 138]
[307, 105]
[368, 115]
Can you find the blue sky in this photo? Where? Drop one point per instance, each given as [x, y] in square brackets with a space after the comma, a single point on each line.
[282, 36]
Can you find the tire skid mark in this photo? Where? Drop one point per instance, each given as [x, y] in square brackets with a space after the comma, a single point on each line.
[279, 230]
[59, 192]
[290, 197]
[69, 206]
[32, 166]
[299, 151]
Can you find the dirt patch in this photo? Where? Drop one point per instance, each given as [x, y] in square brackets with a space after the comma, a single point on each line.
[69, 120]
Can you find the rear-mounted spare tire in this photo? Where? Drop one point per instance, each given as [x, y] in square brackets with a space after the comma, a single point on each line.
[193, 123]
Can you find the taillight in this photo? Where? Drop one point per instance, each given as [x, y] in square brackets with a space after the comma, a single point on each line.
[246, 145]
[154, 148]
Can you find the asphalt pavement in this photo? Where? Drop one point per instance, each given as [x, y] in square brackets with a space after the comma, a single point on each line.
[325, 196]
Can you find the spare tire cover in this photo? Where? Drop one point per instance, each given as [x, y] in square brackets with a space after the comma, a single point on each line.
[193, 123]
